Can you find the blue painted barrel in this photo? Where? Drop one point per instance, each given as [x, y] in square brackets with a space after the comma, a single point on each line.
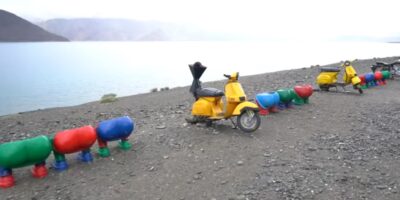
[369, 77]
[267, 99]
[115, 129]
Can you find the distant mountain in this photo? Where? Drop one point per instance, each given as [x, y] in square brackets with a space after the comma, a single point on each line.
[16, 29]
[96, 29]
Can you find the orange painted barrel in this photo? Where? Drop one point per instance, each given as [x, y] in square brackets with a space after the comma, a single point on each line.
[74, 140]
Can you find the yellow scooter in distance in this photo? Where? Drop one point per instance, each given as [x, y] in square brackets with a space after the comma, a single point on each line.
[328, 78]
[209, 105]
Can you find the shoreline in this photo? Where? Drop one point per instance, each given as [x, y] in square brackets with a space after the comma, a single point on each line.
[177, 87]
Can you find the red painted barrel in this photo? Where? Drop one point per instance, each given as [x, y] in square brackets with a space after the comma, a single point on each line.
[74, 140]
[378, 75]
[303, 91]
[362, 78]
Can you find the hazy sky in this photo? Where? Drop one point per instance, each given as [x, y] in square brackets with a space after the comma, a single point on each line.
[310, 19]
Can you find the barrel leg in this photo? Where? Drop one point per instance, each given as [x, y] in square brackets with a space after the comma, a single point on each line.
[39, 170]
[364, 85]
[103, 149]
[263, 111]
[298, 100]
[281, 106]
[274, 109]
[60, 163]
[6, 178]
[85, 156]
[124, 144]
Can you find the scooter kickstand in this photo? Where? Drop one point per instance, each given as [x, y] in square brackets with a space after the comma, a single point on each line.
[344, 89]
[233, 123]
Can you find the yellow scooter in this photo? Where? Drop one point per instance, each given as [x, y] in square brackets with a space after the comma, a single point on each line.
[209, 105]
[328, 78]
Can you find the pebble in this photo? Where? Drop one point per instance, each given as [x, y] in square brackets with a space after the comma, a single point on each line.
[239, 163]
[161, 127]
[381, 187]
[224, 182]
[166, 157]
[311, 149]
[196, 177]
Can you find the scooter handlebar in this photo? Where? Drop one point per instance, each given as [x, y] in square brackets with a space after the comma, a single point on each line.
[227, 76]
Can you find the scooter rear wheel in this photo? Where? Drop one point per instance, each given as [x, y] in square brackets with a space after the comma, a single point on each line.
[249, 121]
[324, 88]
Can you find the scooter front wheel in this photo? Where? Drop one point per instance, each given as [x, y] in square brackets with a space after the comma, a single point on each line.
[248, 121]
[358, 87]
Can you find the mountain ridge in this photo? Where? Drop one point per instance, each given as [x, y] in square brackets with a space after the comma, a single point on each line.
[16, 29]
[109, 29]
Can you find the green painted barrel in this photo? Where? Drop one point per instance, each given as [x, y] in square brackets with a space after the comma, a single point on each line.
[25, 152]
[286, 95]
[386, 74]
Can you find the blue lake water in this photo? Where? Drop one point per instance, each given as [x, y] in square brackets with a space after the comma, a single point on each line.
[42, 75]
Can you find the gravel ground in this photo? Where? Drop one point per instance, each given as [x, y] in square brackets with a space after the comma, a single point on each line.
[340, 146]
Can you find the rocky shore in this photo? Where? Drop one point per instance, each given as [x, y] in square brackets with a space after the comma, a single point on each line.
[340, 146]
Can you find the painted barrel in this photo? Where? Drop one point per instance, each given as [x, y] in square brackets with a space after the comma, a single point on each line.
[74, 140]
[267, 99]
[25, 152]
[303, 91]
[369, 77]
[286, 95]
[386, 74]
[378, 75]
[115, 129]
[362, 78]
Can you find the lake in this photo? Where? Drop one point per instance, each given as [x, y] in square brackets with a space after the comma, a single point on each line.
[43, 75]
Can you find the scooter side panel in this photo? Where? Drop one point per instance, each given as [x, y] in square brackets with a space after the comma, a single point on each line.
[203, 106]
[326, 78]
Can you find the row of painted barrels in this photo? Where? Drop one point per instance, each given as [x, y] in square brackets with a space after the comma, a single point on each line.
[373, 79]
[283, 98]
[35, 151]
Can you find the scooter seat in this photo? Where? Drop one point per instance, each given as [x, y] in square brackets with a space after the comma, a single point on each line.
[209, 92]
[329, 69]
[382, 63]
